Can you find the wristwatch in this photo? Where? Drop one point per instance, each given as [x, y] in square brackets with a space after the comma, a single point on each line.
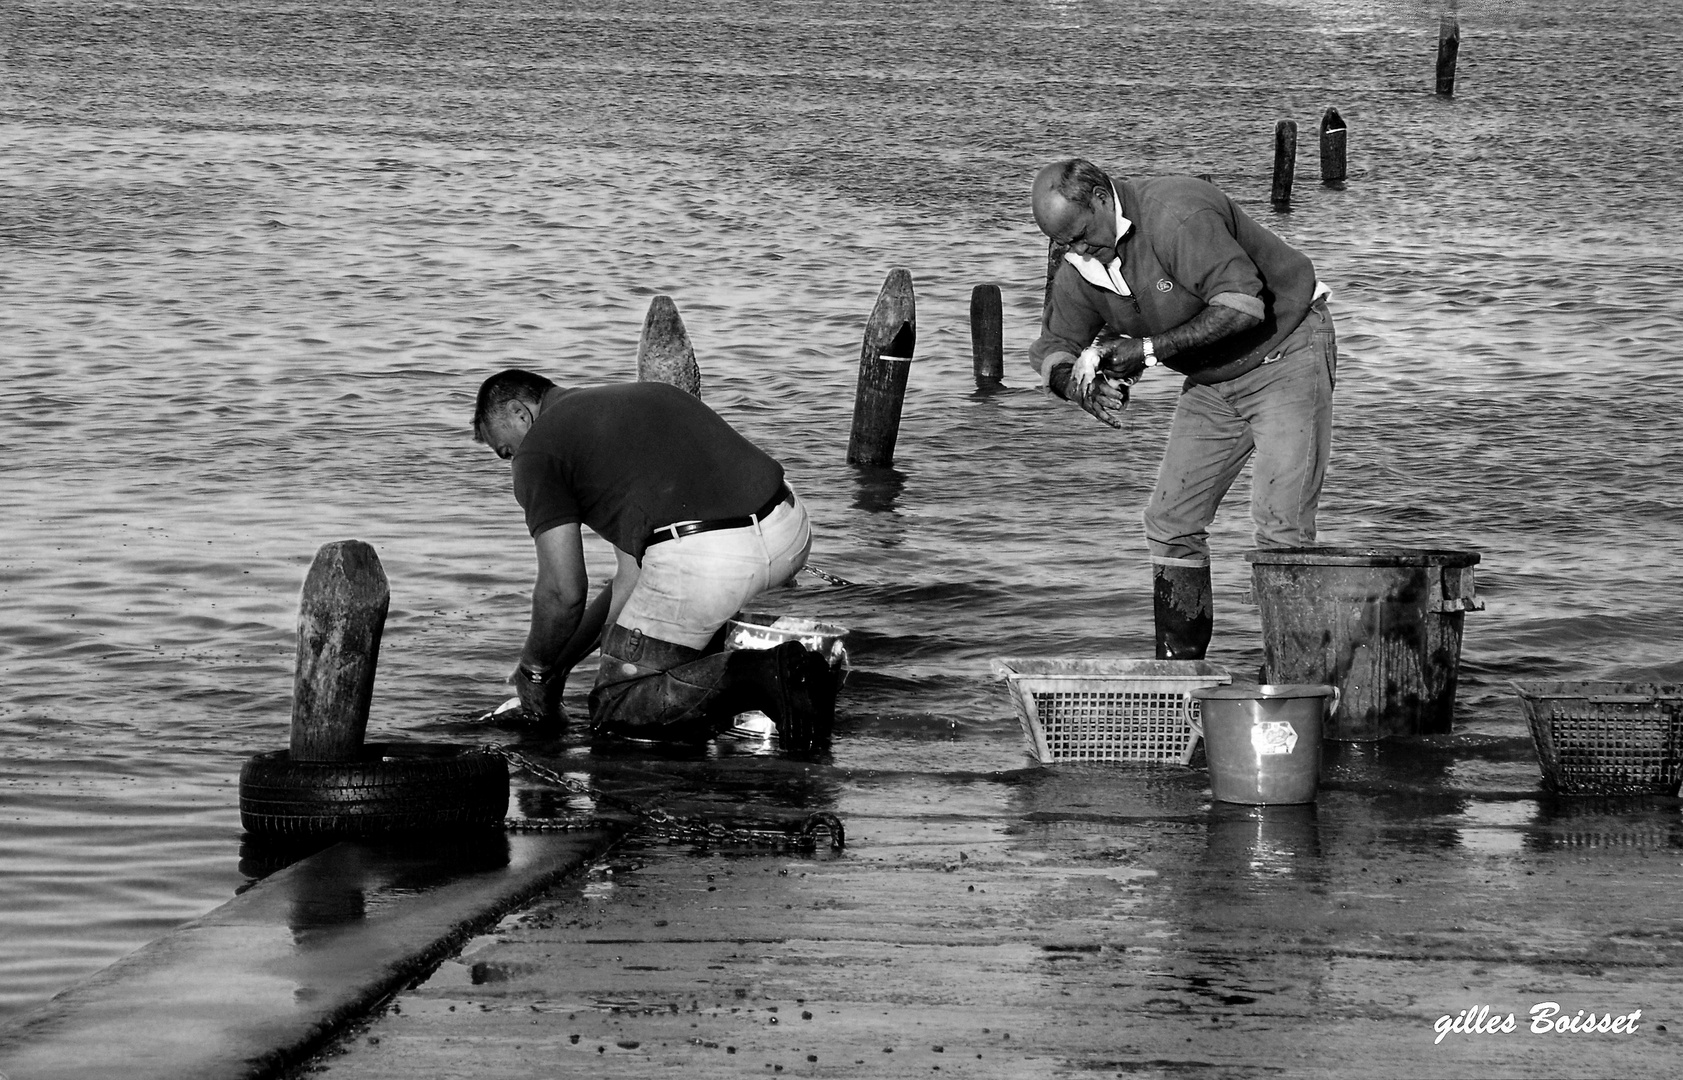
[1150, 352]
[536, 678]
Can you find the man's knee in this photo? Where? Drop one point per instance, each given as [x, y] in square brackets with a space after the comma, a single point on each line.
[653, 707]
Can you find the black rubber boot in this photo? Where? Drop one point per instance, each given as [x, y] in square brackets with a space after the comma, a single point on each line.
[791, 685]
[1182, 608]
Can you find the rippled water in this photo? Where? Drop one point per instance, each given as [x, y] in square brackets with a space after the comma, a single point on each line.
[258, 255]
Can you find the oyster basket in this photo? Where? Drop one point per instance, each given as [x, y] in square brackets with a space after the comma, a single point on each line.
[1109, 710]
[1606, 738]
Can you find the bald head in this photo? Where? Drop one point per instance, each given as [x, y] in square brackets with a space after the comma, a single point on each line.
[1074, 204]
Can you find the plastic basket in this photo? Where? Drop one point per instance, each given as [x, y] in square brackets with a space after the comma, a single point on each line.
[1606, 738]
[1109, 710]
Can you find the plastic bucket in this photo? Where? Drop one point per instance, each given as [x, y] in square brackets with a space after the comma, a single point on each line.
[751, 630]
[1263, 743]
[755, 630]
[1382, 624]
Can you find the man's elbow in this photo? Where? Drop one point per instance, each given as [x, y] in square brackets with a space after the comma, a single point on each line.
[558, 598]
[1237, 311]
[1242, 321]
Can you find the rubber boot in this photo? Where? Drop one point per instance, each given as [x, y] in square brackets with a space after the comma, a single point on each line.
[1182, 608]
[790, 684]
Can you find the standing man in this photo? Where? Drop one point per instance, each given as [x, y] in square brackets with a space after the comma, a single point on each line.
[701, 521]
[1167, 270]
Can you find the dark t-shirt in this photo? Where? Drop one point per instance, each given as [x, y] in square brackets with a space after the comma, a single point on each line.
[628, 458]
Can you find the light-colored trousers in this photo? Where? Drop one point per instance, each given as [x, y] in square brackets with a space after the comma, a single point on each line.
[1280, 412]
[660, 663]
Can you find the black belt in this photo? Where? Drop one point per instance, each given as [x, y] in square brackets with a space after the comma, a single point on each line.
[690, 528]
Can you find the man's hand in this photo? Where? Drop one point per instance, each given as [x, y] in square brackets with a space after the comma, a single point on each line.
[1101, 398]
[1086, 368]
[540, 694]
[1105, 400]
[1122, 358]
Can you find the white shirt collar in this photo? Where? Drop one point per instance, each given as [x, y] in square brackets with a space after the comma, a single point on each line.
[1105, 276]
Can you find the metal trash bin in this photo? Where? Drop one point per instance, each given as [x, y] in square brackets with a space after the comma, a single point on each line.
[1382, 624]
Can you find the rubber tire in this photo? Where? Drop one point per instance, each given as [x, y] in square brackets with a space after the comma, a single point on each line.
[393, 788]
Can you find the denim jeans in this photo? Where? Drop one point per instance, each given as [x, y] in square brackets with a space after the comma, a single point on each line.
[1282, 413]
[648, 688]
[661, 665]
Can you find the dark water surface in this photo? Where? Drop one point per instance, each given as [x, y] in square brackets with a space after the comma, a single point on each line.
[257, 257]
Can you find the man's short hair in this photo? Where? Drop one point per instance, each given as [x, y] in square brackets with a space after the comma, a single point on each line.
[1079, 180]
[501, 389]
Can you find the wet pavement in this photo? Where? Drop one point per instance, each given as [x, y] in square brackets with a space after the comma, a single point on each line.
[1087, 921]
[254, 986]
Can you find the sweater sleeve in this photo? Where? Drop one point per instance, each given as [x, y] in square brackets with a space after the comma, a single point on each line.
[1068, 325]
[1205, 256]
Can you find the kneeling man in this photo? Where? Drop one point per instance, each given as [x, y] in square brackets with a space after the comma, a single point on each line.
[701, 521]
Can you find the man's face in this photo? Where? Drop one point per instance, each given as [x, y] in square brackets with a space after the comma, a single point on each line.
[1086, 229]
[505, 428]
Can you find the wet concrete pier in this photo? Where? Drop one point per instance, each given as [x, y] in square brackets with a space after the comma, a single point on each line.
[1091, 921]
[255, 986]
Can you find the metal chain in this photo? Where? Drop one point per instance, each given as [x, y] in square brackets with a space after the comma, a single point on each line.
[822, 576]
[550, 824]
[661, 822]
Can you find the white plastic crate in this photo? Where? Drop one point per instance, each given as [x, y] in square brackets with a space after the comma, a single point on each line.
[1111, 709]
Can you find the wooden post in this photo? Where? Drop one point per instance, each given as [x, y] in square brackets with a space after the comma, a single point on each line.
[1333, 132]
[663, 352]
[1285, 160]
[340, 616]
[987, 334]
[1449, 47]
[885, 359]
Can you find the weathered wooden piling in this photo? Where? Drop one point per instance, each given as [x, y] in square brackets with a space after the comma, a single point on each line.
[885, 359]
[1285, 160]
[664, 353]
[1449, 47]
[1333, 136]
[341, 614]
[987, 334]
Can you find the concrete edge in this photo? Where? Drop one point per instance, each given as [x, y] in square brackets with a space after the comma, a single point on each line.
[578, 849]
[258, 985]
